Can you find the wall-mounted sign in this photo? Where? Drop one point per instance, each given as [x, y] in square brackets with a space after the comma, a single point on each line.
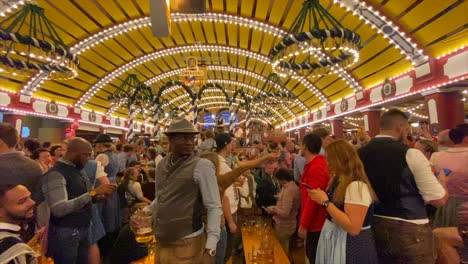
[194, 73]
[92, 116]
[344, 105]
[388, 89]
[52, 108]
[192, 63]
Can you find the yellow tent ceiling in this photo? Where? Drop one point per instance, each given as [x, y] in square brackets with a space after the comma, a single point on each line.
[436, 26]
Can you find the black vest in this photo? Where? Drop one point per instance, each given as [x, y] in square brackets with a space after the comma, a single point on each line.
[385, 164]
[77, 184]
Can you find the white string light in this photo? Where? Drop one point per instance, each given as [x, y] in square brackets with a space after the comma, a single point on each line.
[386, 28]
[429, 88]
[352, 123]
[122, 28]
[9, 6]
[224, 69]
[184, 49]
[354, 118]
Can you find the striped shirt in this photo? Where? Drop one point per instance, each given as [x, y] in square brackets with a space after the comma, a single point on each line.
[12, 249]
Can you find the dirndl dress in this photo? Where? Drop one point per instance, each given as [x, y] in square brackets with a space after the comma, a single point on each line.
[336, 246]
[110, 209]
[96, 228]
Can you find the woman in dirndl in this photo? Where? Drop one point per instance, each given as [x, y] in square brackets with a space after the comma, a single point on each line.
[95, 172]
[346, 236]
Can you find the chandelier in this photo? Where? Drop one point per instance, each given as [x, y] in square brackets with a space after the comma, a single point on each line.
[130, 93]
[29, 43]
[274, 92]
[315, 42]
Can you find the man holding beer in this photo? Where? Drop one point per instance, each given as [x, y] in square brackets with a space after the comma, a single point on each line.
[186, 184]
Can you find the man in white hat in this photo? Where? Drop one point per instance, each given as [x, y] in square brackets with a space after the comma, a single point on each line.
[186, 184]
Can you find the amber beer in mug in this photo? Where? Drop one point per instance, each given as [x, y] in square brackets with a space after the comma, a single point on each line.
[144, 226]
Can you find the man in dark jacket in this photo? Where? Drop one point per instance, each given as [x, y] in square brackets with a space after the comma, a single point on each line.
[267, 186]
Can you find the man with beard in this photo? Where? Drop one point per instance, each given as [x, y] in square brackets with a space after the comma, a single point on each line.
[16, 206]
[68, 193]
[110, 213]
[404, 182]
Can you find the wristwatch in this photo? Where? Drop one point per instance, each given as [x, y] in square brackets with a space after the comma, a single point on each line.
[211, 252]
[92, 193]
[326, 203]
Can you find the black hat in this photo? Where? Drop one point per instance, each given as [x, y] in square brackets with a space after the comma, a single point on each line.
[222, 140]
[103, 138]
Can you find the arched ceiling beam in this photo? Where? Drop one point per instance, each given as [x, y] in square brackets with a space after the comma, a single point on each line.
[115, 30]
[386, 28]
[185, 95]
[249, 87]
[224, 69]
[182, 49]
[259, 109]
[259, 77]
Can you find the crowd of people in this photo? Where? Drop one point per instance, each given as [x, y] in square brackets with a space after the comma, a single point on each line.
[387, 199]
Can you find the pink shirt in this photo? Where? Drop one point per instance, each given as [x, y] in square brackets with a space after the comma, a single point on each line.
[455, 159]
[287, 207]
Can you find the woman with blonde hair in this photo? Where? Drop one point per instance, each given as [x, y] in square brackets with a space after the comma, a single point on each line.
[346, 236]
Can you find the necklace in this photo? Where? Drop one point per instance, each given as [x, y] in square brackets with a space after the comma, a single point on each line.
[172, 162]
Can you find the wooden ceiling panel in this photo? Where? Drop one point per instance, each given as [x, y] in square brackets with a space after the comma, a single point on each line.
[379, 62]
[267, 44]
[90, 7]
[209, 32]
[137, 36]
[342, 94]
[233, 35]
[278, 8]
[69, 10]
[422, 13]
[220, 33]
[91, 67]
[217, 5]
[439, 27]
[387, 72]
[335, 87]
[231, 6]
[244, 37]
[11, 84]
[453, 42]
[262, 9]
[394, 8]
[292, 14]
[111, 10]
[58, 98]
[127, 7]
[198, 32]
[247, 8]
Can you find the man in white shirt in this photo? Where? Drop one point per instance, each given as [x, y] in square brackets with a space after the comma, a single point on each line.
[230, 200]
[404, 182]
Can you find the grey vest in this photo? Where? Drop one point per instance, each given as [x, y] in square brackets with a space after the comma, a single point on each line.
[179, 207]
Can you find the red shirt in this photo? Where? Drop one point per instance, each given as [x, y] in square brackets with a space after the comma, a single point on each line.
[315, 174]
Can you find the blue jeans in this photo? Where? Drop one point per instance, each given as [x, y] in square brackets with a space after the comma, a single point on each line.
[68, 245]
[221, 246]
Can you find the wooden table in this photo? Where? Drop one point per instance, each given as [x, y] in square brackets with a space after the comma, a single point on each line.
[250, 240]
[145, 260]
